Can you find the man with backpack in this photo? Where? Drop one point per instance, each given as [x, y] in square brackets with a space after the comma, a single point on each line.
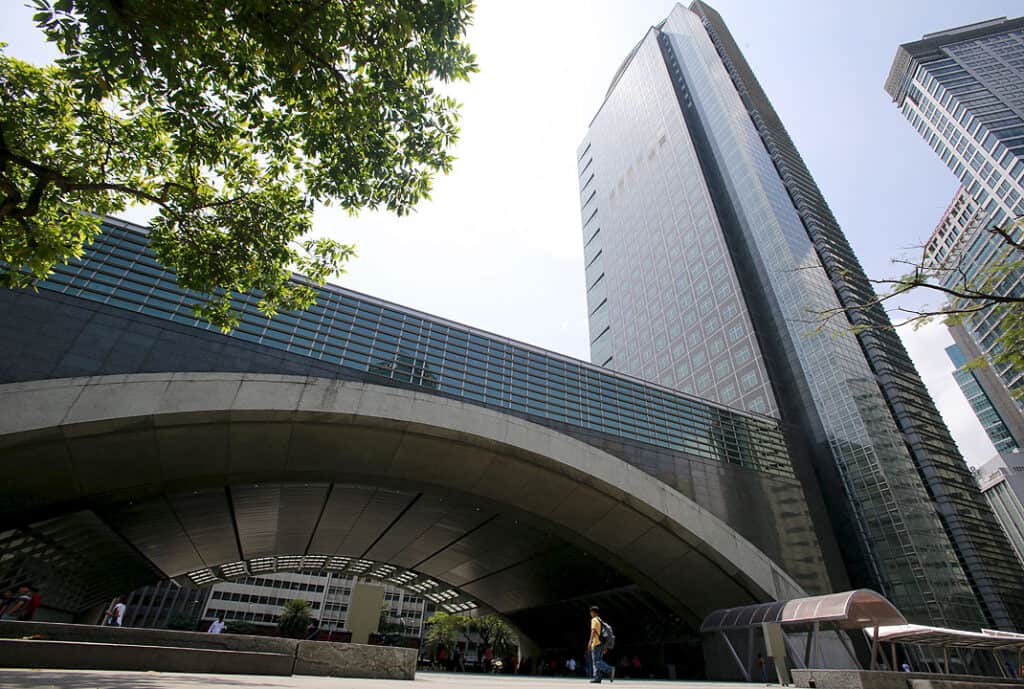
[602, 640]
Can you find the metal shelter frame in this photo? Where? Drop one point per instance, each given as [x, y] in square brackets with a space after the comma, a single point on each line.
[839, 612]
[991, 640]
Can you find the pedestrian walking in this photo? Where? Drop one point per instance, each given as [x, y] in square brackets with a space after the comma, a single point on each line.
[602, 640]
[217, 626]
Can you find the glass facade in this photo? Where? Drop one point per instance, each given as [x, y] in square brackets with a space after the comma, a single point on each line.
[358, 332]
[979, 546]
[681, 320]
[989, 418]
[686, 100]
[959, 253]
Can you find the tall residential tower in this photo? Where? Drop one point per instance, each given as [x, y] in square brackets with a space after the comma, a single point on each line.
[709, 252]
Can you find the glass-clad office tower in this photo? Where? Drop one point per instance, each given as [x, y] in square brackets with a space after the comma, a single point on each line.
[978, 397]
[962, 249]
[709, 248]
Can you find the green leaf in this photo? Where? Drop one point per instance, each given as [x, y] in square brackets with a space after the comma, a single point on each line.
[233, 118]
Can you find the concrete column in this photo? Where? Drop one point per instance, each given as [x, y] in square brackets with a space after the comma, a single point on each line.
[527, 647]
[364, 611]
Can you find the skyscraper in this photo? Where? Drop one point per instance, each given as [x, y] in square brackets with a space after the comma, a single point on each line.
[958, 252]
[1002, 483]
[709, 251]
[963, 90]
[1000, 430]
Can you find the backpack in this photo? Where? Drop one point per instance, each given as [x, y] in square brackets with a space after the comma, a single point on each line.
[607, 635]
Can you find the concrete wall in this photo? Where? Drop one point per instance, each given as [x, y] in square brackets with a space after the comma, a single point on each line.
[69, 646]
[46, 631]
[72, 655]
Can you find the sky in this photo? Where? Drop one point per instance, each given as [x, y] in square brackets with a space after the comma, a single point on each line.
[499, 245]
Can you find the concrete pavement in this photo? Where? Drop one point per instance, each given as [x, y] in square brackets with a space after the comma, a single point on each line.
[98, 679]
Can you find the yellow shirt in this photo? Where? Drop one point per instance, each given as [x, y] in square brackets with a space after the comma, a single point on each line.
[595, 632]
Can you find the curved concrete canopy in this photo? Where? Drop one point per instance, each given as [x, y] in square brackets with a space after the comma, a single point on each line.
[198, 471]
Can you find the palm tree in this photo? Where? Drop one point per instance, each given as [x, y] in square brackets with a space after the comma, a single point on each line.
[294, 618]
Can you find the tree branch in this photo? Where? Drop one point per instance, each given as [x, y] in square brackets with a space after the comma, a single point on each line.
[1001, 231]
[45, 176]
[965, 293]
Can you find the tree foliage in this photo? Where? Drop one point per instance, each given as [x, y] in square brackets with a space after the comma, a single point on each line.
[494, 631]
[969, 290]
[295, 618]
[232, 119]
[240, 627]
[393, 633]
[445, 629]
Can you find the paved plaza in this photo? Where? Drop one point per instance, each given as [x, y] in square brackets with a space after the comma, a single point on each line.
[103, 679]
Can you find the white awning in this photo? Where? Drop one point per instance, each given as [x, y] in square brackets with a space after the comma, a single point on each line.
[921, 635]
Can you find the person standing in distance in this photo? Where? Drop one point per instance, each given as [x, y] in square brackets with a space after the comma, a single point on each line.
[115, 616]
[18, 604]
[596, 648]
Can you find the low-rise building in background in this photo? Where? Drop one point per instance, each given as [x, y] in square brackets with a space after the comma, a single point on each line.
[254, 603]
